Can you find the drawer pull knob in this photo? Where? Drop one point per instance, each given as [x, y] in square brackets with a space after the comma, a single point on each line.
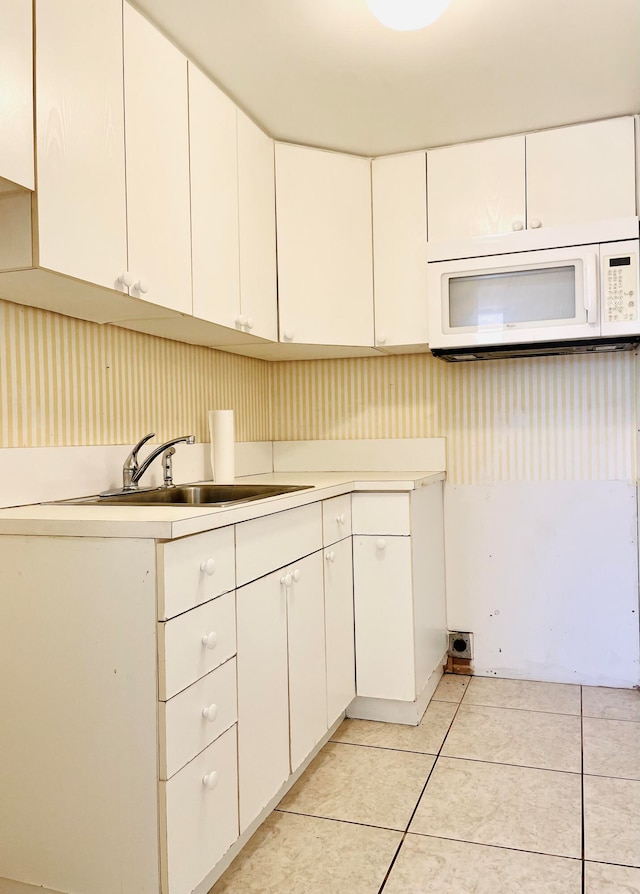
[208, 567]
[331, 556]
[210, 713]
[142, 286]
[286, 579]
[125, 279]
[297, 574]
[210, 640]
[381, 543]
[341, 519]
[210, 780]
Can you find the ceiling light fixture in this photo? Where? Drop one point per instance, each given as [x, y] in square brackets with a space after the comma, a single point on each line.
[407, 15]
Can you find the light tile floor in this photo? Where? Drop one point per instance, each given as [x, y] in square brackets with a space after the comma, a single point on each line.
[505, 786]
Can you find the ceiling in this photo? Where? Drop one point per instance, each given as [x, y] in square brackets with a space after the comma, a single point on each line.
[326, 73]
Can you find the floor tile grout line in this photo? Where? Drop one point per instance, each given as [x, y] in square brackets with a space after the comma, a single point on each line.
[500, 847]
[526, 710]
[424, 788]
[584, 868]
[334, 819]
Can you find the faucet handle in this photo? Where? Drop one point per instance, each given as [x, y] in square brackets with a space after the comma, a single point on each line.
[131, 462]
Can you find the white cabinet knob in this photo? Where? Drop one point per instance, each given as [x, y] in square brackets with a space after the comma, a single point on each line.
[125, 279]
[341, 519]
[297, 575]
[249, 323]
[536, 224]
[286, 579]
[381, 543]
[288, 335]
[210, 780]
[210, 713]
[240, 321]
[210, 640]
[208, 567]
[142, 286]
[517, 225]
[381, 339]
[330, 556]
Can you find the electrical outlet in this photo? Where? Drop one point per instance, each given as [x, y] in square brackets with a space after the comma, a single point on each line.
[460, 644]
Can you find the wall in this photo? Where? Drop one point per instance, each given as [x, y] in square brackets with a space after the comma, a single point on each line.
[68, 382]
[540, 512]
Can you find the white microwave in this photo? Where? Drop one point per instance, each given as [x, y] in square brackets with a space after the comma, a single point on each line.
[544, 301]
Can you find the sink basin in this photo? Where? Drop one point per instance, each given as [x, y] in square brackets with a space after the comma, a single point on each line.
[203, 494]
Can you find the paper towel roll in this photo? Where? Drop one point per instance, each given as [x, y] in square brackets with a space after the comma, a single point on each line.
[222, 446]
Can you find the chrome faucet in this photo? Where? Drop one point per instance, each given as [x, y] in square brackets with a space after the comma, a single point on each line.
[132, 472]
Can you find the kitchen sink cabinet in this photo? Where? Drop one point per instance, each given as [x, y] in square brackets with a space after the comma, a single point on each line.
[157, 164]
[399, 196]
[339, 629]
[567, 175]
[325, 281]
[399, 597]
[16, 96]
[263, 698]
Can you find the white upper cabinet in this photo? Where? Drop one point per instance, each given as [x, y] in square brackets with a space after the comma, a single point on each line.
[325, 282]
[16, 93]
[257, 213]
[581, 174]
[214, 201]
[476, 189]
[82, 224]
[569, 175]
[157, 158]
[399, 249]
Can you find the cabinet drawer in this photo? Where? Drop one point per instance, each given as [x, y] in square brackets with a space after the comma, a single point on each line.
[264, 544]
[199, 822]
[185, 730]
[381, 514]
[194, 570]
[336, 519]
[183, 654]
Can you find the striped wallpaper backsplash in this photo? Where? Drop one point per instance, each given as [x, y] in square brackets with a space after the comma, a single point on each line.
[68, 382]
[557, 418]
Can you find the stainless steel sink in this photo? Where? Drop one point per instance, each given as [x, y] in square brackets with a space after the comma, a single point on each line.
[202, 494]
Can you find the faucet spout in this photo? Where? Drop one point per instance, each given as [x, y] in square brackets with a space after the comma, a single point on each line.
[131, 477]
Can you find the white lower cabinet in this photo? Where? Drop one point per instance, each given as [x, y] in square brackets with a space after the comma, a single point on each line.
[338, 609]
[306, 649]
[263, 697]
[384, 617]
[199, 815]
[399, 593]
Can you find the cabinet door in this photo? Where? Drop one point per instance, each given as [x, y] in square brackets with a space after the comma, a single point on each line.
[325, 279]
[399, 185]
[214, 201]
[581, 174]
[82, 223]
[338, 610]
[307, 667]
[157, 159]
[476, 189]
[263, 697]
[382, 585]
[16, 93]
[257, 210]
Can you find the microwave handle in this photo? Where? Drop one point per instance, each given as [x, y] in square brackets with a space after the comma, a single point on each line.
[591, 287]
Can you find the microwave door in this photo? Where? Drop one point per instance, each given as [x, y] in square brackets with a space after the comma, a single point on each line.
[527, 299]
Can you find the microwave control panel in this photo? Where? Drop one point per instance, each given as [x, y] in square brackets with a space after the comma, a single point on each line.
[620, 287]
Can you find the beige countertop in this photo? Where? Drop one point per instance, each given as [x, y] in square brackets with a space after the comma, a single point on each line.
[169, 522]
